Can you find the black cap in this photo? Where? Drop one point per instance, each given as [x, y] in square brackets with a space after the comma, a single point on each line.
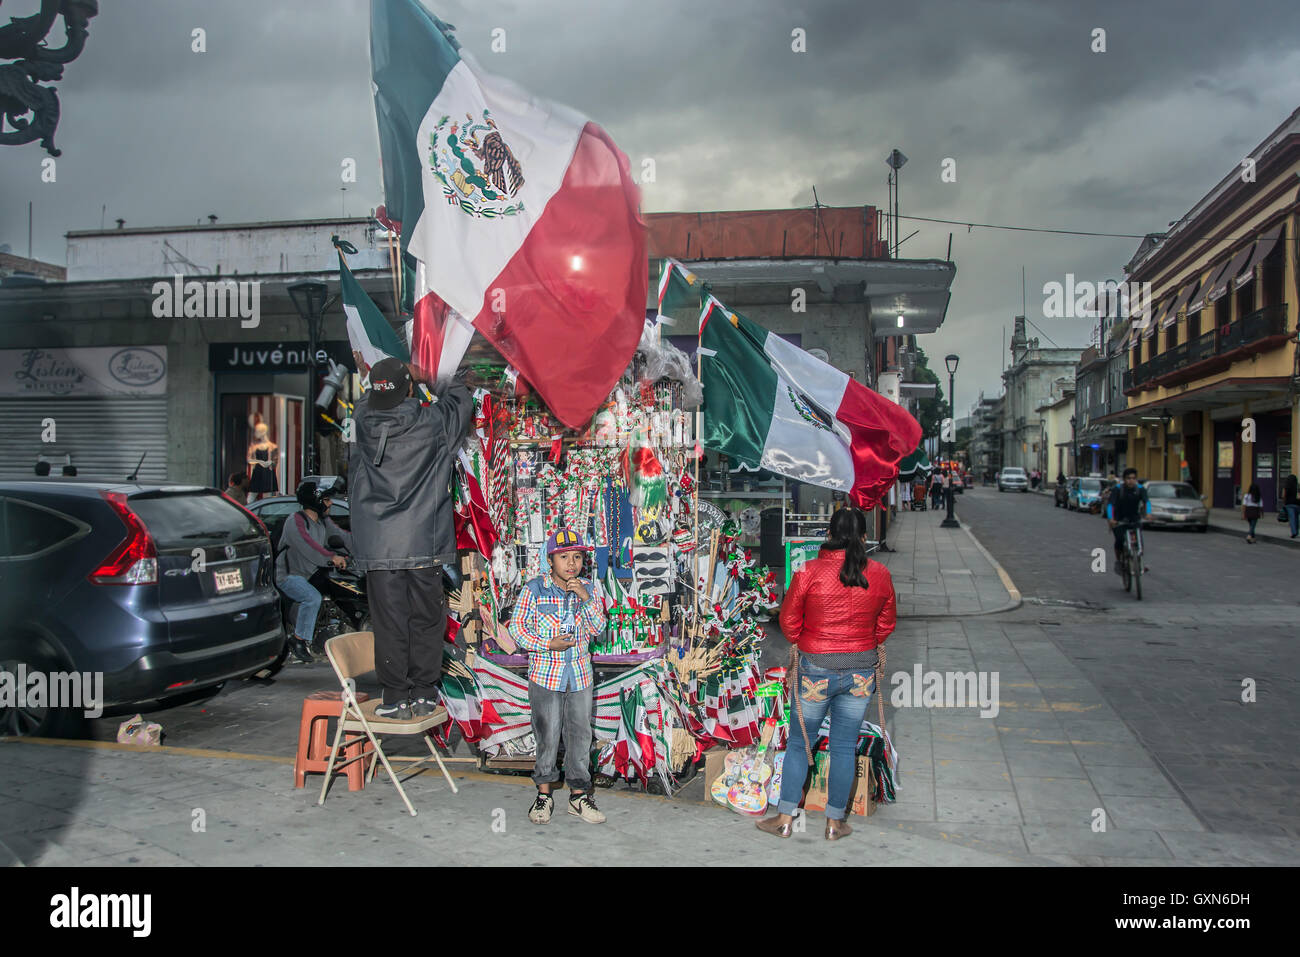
[389, 383]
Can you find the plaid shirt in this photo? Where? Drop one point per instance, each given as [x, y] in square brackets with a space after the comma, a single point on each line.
[544, 611]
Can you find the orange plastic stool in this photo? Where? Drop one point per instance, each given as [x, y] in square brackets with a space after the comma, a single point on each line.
[314, 741]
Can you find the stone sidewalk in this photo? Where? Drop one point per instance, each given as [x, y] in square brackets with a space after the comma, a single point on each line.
[943, 572]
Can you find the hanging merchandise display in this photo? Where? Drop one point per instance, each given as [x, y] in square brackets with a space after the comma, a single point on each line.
[676, 667]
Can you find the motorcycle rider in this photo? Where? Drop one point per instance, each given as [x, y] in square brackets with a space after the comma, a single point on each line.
[1126, 505]
[402, 517]
[301, 552]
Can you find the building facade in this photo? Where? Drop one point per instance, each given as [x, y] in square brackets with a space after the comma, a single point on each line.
[1212, 377]
[1027, 385]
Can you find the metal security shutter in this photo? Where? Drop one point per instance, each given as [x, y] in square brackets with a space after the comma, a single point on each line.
[105, 436]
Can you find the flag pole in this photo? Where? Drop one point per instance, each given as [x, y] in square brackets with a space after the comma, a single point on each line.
[395, 271]
[699, 432]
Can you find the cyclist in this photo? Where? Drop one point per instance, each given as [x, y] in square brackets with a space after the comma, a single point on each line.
[1125, 506]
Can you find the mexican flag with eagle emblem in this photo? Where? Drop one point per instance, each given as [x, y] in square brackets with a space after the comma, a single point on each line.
[769, 404]
[521, 216]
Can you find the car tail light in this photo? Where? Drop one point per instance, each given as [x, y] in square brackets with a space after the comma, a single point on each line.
[135, 560]
[250, 513]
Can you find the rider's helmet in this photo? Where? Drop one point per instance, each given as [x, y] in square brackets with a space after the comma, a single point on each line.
[311, 495]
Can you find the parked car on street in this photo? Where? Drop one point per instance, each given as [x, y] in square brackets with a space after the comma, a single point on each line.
[163, 590]
[1061, 494]
[1085, 493]
[1013, 479]
[1176, 505]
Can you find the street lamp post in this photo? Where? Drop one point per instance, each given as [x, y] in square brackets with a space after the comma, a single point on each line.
[951, 362]
[1074, 444]
[309, 299]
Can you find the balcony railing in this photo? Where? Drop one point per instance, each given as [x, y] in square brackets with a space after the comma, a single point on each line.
[1258, 325]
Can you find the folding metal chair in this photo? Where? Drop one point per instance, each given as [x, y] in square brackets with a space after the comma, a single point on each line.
[351, 655]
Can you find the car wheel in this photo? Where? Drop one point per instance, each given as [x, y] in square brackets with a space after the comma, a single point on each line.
[32, 721]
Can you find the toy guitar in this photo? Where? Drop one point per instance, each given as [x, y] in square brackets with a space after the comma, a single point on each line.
[749, 794]
[724, 781]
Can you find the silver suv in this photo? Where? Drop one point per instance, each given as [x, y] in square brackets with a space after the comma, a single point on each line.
[1013, 479]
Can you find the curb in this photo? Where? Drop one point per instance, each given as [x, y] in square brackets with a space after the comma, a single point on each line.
[1284, 542]
[1016, 599]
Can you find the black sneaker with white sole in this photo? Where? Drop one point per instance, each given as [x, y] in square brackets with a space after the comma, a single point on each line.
[397, 711]
[422, 707]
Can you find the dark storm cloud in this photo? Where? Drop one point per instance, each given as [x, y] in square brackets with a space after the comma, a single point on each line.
[1043, 130]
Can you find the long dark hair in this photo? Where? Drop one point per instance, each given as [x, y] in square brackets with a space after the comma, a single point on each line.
[848, 528]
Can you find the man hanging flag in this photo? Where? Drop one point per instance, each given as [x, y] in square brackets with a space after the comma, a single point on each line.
[521, 213]
[770, 404]
[371, 336]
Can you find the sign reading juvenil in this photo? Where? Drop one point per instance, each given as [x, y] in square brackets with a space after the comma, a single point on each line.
[274, 356]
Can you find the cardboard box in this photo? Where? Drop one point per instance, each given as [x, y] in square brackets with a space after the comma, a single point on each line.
[860, 800]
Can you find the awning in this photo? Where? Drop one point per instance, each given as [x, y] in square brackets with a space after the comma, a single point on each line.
[1169, 315]
[1263, 246]
[1198, 303]
[1235, 266]
[1180, 300]
[1148, 323]
[916, 463]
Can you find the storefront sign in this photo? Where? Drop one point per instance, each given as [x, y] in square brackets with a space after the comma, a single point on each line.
[274, 356]
[1263, 465]
[108, 370]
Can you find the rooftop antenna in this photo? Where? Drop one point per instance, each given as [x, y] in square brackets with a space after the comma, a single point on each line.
[132, 477]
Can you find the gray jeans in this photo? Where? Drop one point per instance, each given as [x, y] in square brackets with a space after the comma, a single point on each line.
[567, 713]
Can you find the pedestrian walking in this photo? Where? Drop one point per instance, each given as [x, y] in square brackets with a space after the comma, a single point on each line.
[402, 521]
[1252, 507]
[838, 612]
[1291, 502]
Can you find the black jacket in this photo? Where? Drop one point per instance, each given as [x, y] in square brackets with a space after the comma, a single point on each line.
[402, 514]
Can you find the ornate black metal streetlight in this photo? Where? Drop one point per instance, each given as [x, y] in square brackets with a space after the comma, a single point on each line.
[1074, 444]
[951, 362]
[23, 41]
[309, 299]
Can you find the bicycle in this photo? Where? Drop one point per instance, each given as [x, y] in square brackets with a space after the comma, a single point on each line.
[1131, 558]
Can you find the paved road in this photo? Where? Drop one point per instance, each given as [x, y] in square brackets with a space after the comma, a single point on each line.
[1217, 613]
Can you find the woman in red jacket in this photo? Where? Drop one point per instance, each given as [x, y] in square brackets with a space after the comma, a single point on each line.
[839, 609]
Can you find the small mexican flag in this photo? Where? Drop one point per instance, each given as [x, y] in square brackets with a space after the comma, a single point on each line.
[371, 336]
[769, 404]
[679, 288]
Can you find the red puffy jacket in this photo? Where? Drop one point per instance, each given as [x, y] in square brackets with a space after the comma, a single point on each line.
[821, 616]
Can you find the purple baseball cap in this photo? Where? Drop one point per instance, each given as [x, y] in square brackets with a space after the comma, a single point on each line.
[565, 540]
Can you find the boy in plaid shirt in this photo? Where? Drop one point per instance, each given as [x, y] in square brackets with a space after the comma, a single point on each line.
[555, 619]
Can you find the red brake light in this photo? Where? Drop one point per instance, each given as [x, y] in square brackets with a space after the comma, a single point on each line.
[135, 560]
[250, 513]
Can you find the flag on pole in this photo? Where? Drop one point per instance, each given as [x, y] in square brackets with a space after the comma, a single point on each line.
[768, 403]
[371, 336]
[678, 288]
[523, 214]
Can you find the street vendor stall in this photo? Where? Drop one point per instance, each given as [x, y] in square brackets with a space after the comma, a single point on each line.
[677, 667]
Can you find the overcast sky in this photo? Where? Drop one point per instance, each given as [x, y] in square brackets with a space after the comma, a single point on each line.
[1044, 131]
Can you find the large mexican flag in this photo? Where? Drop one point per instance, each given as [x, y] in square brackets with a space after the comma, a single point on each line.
[522, 214]
[768, 403]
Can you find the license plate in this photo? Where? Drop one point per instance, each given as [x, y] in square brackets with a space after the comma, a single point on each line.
[229, 581]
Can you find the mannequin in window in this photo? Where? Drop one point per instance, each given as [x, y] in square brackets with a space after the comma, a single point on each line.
[262, 480]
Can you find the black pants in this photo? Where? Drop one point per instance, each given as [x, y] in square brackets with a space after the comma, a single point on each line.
[409, 615]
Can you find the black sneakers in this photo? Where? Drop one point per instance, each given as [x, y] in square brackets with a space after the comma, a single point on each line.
[301, 650]
[397, 711]
[422, 707]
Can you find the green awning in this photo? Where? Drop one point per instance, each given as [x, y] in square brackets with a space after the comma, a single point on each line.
[918, 463]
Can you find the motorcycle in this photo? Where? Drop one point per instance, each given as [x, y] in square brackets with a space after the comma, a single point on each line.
[344, 607]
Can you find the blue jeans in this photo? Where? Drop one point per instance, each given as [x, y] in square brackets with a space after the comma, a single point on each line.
[308, 599]
[845, 694]
[567, 715]
[1293, 516]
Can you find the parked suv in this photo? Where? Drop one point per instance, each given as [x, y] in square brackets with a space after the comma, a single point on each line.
[1013, 478]
[163, 590]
